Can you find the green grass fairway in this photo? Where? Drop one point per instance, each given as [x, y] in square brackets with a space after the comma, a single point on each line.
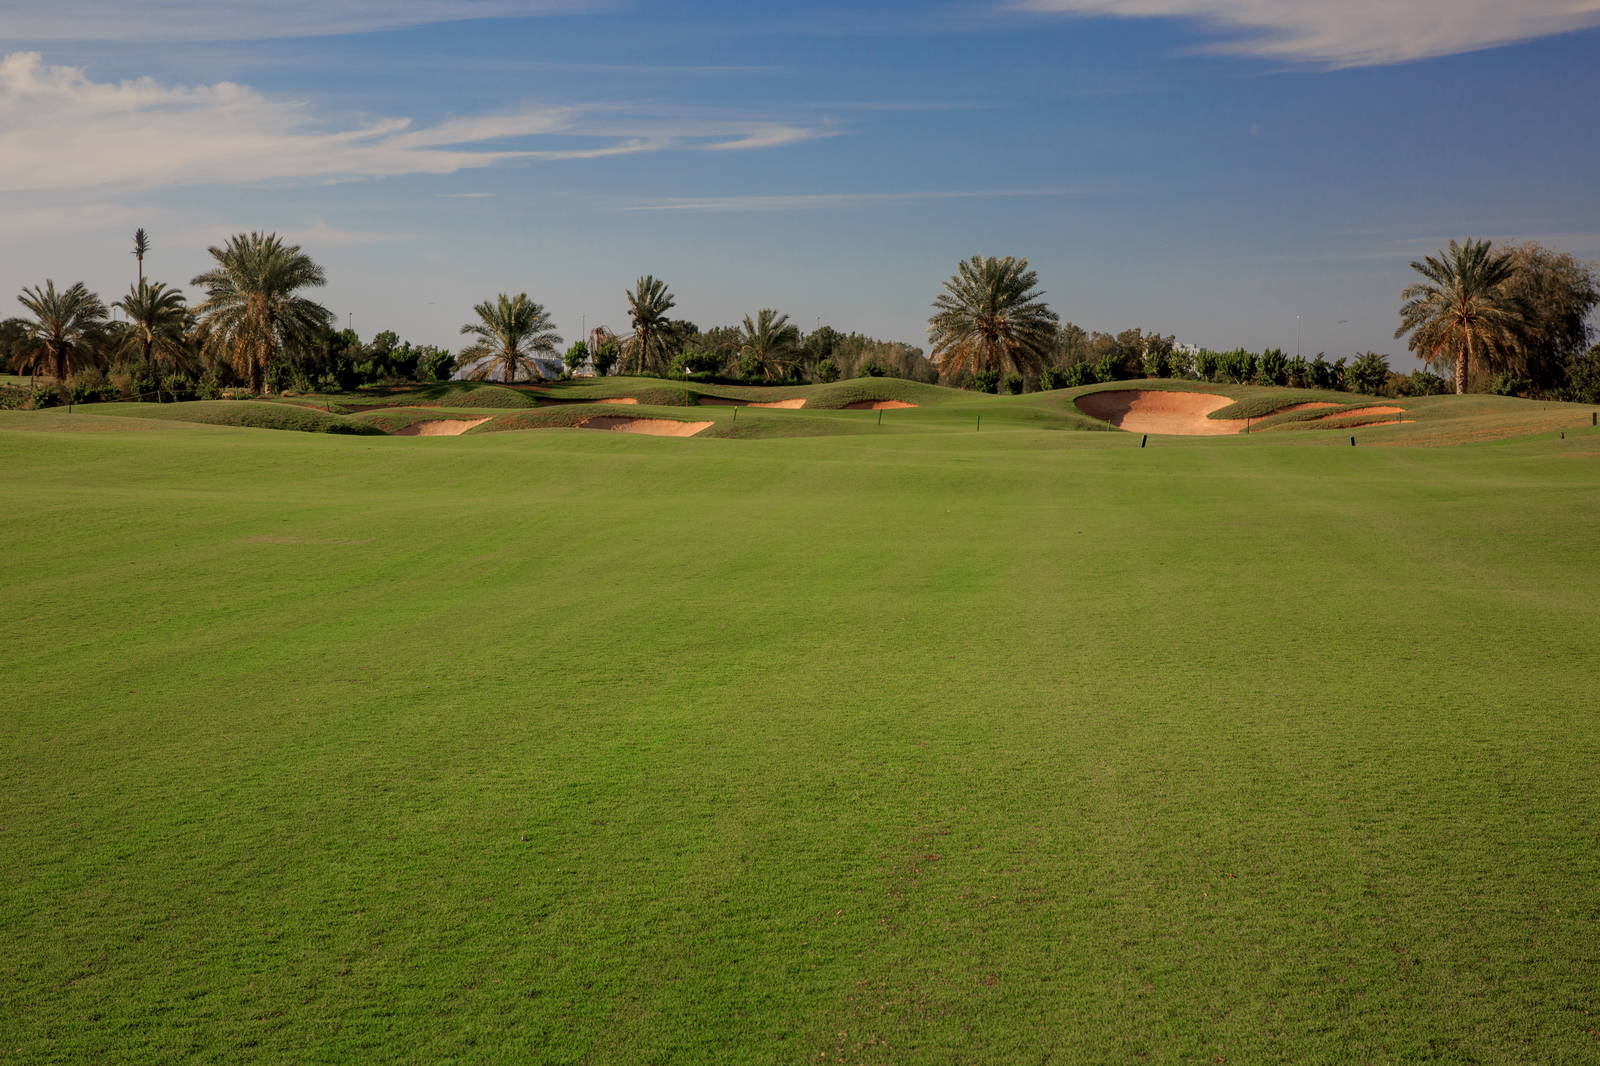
[912, 746]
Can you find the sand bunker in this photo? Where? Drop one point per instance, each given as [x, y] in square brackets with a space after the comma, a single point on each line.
[1182, 413]
[619, 399]
[877, 405]
[723, 401]
[1360, 412]
[1296, 407]
[655, 427]
[439, 427]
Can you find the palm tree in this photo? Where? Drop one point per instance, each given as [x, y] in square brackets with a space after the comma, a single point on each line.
[66, 331]
[772, 343]
[648, 304]
[1464, 310]
[141, 245]
[251, 314]
[990, 317]
[510, 332]
[157, 323]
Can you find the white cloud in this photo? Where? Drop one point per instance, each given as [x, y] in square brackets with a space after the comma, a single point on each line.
[61, 130]
[233, 20]
[822, 201]
[1354, 33]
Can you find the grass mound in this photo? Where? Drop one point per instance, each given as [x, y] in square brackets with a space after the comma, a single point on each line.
[246, 414]
[494, 397]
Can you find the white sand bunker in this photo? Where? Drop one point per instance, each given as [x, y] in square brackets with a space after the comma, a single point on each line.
[1181, 413]
[723, 401]
[619, 399]
[439, 427]
[1361, 412]
[655, 427]
[877, 405]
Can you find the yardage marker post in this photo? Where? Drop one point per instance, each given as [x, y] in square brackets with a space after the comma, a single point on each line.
[1352, 442]
[1144, 440]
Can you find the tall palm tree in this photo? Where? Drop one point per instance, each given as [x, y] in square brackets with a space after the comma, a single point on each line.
[772, 343]
[251, 314]
[1464, 310]
[510, 332]
[141, 245]
[990, 317]
[648, 304]
[66, 332]
[157, 323]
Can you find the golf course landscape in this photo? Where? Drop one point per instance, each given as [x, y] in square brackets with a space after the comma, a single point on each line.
[907, 725]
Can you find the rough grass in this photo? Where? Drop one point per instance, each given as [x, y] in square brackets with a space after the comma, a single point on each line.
[921, 747]
[249, 414]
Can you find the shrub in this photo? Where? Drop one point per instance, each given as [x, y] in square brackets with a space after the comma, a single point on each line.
[827, 371]
[1180, 364]
[985, 381]
[1273, 369]
[576, 356]
[870, 369]
[695, 361]
[91, 386]
[436, 365]
[1368, 374]
[1297, 372]
[1207, 365]
[1507, 383]
[1108, 368]
[1238, 366]
[1014, 383]
[1154, 363]
[605, 358]
[1052, 378]
[1079, 374]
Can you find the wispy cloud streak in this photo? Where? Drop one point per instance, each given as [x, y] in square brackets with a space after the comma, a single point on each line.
[827, 201]
[1352, 33]
[240, 20]
[61, 130]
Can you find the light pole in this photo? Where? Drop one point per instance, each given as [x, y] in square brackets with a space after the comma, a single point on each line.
[1297, 336]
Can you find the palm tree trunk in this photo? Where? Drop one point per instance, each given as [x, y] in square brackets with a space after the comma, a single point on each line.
[1463, 360]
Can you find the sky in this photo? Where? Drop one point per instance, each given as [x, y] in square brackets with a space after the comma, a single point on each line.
[1254, 173]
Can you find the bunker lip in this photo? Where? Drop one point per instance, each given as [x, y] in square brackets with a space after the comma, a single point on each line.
[723, 401]
[619, 399]
[439, 427]
[876, 405]
[654, 427]
[1361, 412]
[1307, 406]
[1152, 411]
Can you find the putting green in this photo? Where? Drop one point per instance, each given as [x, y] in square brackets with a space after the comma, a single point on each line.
[919, 744]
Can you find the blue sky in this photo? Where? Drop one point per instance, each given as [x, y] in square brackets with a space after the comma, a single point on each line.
[1209, 168]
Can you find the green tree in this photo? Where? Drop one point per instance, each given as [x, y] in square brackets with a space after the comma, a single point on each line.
[1556, 293]
[511, 332]
[252, 313]
[576, 357]
[991, 317]
[770, 344]
[65, 334]
[157, 326]
[1463, 311]
[1367, 373]
[645, 351]
[141, 245]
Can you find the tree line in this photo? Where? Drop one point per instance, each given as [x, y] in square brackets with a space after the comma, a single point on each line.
[1510, 321]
